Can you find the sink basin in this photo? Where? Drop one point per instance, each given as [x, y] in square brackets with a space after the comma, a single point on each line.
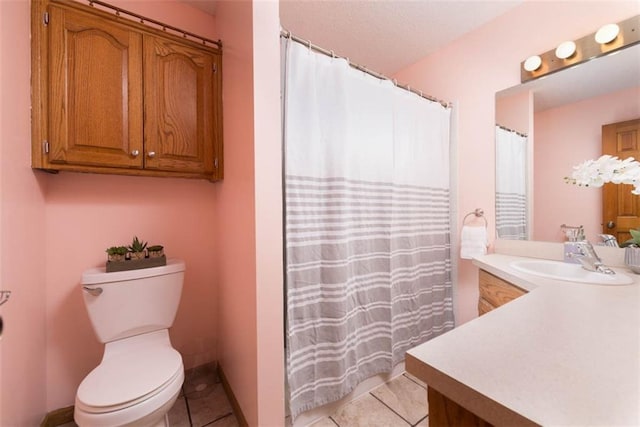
[568, 272]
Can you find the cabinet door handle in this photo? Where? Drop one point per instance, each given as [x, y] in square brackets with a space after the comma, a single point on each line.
[135, 153]
[151, 154]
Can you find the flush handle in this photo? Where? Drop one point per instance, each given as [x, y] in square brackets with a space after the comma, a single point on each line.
[4, 296]
[93, 291]
[611, 225]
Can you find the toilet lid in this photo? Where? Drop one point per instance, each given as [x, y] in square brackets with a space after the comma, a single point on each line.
[130, 377]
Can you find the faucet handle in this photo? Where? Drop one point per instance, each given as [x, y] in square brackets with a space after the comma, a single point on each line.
[609, 240]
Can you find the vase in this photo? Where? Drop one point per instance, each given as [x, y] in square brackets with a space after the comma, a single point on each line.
[632, 258]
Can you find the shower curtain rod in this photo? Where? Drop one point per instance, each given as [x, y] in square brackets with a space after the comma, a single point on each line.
[511, 130]
[287, 34]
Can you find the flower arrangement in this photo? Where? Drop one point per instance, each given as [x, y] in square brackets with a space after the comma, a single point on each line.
[596, 173]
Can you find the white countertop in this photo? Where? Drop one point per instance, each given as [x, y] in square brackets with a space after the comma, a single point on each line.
[563, 354]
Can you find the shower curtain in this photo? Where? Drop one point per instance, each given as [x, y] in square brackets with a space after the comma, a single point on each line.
[368, 268]
[511, 185]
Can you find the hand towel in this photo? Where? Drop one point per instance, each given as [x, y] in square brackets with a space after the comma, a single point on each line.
[473, 241]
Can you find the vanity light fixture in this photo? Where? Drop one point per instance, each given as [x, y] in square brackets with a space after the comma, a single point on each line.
[533, 63]
[608, 39]
[607, 33]
[566, 50]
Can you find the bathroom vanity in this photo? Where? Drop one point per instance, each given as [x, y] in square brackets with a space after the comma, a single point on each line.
[554, 353]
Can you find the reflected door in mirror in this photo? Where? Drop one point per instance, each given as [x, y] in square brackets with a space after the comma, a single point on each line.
[620, 208]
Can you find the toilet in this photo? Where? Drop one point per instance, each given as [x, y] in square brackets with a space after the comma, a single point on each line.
[141, 374]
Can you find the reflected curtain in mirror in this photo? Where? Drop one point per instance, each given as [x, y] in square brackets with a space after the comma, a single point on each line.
[511, 184]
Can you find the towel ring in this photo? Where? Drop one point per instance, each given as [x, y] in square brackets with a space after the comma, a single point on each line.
[478, 213]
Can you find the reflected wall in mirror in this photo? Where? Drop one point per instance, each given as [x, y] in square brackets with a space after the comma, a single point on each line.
[566, 112]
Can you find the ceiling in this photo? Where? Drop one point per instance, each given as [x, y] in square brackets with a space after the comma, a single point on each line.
[382, 35]
[387, 35]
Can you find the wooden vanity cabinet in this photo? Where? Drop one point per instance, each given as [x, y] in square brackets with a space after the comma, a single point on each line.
[114, 96]
[495, 292]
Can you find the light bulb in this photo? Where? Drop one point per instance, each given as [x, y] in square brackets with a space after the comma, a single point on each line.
[532, 63]
[607, 33]
[565, 50]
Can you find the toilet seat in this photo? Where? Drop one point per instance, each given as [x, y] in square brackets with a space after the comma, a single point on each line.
[147, 413]
[132, 370]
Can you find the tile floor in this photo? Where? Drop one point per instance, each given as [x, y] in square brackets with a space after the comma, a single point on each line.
[401, 402]
[202, 402]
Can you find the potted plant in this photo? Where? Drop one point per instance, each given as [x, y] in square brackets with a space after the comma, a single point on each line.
[155, 251]
[632, 251]
[116, 253]
[137, 249]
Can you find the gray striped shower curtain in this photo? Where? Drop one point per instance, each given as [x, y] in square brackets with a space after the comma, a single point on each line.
[368, 266]
[511, 185]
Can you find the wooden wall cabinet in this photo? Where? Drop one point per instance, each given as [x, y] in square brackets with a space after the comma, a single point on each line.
[495, 292]
[114, 96]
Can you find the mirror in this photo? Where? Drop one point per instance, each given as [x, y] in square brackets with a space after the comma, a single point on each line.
[562, 115]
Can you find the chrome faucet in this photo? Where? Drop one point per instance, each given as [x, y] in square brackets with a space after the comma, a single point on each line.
[584, 253]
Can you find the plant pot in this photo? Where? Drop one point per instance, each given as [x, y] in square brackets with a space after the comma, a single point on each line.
[115, 258]
[156, 254]
[137, 255]
[632, 258]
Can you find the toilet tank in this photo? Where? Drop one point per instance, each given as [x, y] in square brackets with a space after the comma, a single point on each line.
[132, 302]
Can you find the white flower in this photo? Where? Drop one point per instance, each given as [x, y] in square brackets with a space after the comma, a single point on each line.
[596, 173]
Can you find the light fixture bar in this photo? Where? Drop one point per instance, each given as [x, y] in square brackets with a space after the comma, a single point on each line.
[586, 48]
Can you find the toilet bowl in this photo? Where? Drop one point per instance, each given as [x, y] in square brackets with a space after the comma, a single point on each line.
[141, 374]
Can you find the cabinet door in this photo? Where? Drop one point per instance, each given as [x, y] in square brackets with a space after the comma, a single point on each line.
[95, 104]
[179, 107]
[495, 292]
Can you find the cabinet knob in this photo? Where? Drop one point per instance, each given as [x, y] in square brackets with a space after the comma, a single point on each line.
[135, 153]
[611, 224]
[151, 154]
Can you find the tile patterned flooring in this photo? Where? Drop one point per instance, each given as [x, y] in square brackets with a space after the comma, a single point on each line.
[202, 402]
[401, 402]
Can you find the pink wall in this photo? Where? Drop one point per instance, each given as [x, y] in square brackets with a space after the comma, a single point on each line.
[268, 185]
[235, 201]
[68, 220]
[472, 69]
[249, 219]
[513, 112]
[22, 233]
[565, 137]
[228, 236]
[87, 213]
